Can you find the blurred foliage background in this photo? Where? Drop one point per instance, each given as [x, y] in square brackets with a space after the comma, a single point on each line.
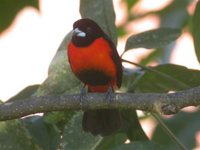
[153, 73]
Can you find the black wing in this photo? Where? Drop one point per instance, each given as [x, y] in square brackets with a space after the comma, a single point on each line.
[116, 59]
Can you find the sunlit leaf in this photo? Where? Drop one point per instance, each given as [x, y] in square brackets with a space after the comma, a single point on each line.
[196, 30]
[102, 12]
[153, 38]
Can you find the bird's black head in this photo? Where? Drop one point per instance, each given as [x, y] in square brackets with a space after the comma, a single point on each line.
[85, 31]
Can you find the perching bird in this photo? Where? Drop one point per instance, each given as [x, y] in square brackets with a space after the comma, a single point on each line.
[94, 60]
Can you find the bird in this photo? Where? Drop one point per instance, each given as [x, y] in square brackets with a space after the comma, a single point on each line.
[95, 61]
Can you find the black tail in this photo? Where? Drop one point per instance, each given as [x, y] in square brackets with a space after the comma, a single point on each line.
[104, 122]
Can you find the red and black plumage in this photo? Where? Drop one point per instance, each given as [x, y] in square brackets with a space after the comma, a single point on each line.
[94, 60]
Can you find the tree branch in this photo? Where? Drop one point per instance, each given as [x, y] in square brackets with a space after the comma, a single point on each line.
[154, 102]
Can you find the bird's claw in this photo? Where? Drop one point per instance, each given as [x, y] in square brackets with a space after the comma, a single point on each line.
[83, 96]
[109, 95]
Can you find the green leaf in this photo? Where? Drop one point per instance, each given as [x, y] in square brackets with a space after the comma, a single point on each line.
[10, 8]
[140, 145]
[60, 77]
[47, 136]
[184, 125]
[130, 3]
[121, 31]
[75, 138]
[175, 15]
[127, 79]
[112, 141]
[153, 38]
[152, 57]
[59, 118]
[167, 78]
[196, 30]
[25, 93]
[102, 12]
[14, 136]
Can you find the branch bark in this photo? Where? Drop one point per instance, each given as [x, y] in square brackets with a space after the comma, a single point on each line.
[169, 103]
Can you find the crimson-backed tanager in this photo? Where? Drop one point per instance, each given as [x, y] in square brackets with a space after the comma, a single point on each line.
[94, 60]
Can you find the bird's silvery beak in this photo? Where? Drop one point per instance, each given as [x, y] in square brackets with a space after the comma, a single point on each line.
[79, 33]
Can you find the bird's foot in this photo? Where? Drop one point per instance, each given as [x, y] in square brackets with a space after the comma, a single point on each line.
[83, 95]
[110, 95]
